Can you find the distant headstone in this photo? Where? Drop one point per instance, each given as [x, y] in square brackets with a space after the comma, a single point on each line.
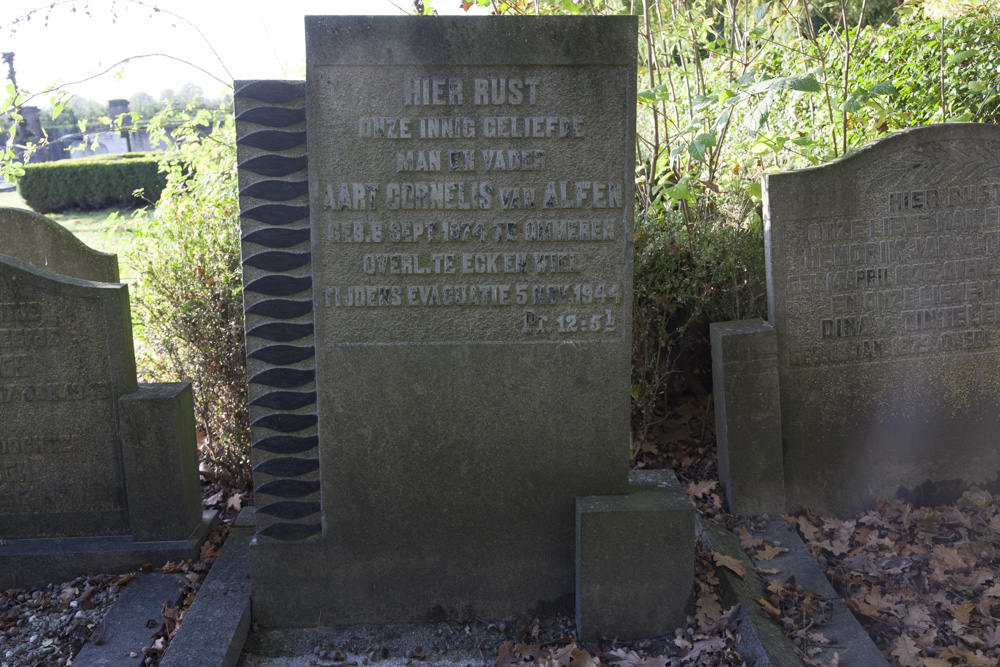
[96, 472]
[439, 318]
[35, 239]
[883, 331]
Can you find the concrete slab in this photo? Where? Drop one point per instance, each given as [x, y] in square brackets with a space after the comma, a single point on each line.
[764, 643]
[217, 624]
[37, 562]
[129, 624]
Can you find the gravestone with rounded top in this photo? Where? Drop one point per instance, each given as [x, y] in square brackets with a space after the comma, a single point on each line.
[873, 376]
[97, 473]
[437, 233]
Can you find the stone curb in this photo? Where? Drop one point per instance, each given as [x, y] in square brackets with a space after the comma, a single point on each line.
[124, 630]
[216, 626]
[764, 644]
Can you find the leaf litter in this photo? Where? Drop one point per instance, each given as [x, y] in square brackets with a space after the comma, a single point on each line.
[923, 581]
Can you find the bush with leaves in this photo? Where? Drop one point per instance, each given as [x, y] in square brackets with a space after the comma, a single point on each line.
[188, 302]
[686, 277]
[95, 182]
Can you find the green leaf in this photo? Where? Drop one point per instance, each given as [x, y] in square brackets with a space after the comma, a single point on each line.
[962, 55]
[696, 150]
[977, 86]
[11, 90]
[964, 118]
[760, 12]
[647, 96]
[757, 116]
[754, 190]
[855, 101]
[678, 192]
[805, 84]
[883, 88]
[699, 101]
[723, 118]
[706, 139]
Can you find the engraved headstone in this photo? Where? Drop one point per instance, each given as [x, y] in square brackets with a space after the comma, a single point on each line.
[883, 330]
[437, 244]
[93, 467]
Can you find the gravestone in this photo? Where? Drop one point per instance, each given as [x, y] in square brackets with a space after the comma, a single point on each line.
[437, 238]
[97, 473]
[874, 375]
[33, 238]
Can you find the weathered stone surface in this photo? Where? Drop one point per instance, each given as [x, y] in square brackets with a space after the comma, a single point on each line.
[124, 630]
[65, 357]
[35, 239]
[763, 641]
[883, 293]
[96, 474]
[218, 621]
[470, 184]
[748, 416]
[652, 525]
[161, 461]
[37, 562]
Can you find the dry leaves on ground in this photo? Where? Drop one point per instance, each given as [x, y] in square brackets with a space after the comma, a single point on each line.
[708, 639]
[924, 582]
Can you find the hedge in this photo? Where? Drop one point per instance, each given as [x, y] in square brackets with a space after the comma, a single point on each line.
[96, 182]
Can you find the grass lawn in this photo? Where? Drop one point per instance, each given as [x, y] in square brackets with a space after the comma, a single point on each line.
[91, 227]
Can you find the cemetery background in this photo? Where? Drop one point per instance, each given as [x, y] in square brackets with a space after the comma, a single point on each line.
[688, 240]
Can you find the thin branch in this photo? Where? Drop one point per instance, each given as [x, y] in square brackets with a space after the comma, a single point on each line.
[122, 62]
[196, 29]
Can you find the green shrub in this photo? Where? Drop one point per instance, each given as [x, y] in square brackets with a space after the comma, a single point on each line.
[95, 182]
[187, 302]
[686, 277]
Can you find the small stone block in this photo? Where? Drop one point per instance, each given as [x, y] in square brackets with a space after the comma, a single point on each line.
[748, 415]
[634, 563]
[161, 461]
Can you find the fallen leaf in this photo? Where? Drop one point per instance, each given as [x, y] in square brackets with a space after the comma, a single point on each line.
[907, 652]
[729, 563]
[768, 552]
[962, 611]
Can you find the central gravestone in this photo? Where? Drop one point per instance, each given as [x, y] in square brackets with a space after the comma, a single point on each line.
[437, 247]
[875, 373]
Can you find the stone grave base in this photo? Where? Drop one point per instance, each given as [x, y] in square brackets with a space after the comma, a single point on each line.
[37, 562]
